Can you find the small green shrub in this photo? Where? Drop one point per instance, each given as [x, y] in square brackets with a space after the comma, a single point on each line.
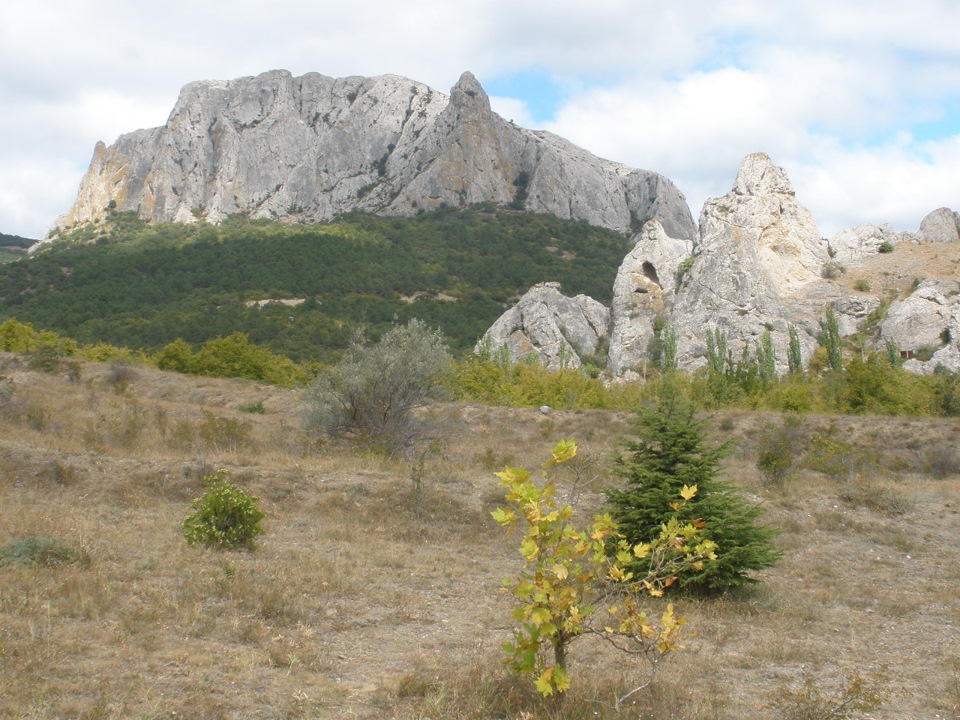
[861, 285]
[883, 497]
[833, 457]
[490, 460]
[40, 552]
[886, 247]
[857, 695]
[224, 516]
[254, 408]
[831, 270]
[683, 269]
[45, 358]
[221, 433]
[776, 455]
[924, 353]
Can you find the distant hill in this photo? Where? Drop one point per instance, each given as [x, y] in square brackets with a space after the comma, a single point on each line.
[144, 285]
[13, 247]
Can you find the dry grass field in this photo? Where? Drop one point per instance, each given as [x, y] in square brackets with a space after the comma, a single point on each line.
[375, 591]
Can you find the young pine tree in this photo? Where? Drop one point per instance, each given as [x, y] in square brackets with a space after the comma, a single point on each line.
[670, 451]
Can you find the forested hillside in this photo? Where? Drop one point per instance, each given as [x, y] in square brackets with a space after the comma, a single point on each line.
[138, 285]
[13, 247]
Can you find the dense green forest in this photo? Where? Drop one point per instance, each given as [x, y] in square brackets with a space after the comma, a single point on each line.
[13, 247]
[136, 285]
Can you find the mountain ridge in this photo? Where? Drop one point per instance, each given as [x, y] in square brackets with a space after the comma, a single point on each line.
[312, 147]
[306, 149]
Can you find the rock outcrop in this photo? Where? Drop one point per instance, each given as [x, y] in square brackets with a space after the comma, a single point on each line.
[558, 329]
[757, 247]
[643, 290]
[941, 225]
[852, 245]
[852, 312]
[927, 320]
[311, 147]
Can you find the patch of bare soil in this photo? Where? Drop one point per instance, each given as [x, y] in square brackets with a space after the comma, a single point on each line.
[897, 271]
[372, 571]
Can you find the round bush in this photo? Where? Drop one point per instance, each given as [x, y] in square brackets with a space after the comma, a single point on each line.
[224, 516]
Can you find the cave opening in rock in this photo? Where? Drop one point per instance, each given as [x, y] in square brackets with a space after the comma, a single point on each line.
[650, 272]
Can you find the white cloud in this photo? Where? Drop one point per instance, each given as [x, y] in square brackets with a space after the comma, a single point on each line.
[898, 182]
[514, 110]
[686, 89]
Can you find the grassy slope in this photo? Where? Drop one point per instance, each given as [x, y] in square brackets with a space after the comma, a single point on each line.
[13, 247]
[141, 286]
[367, 600]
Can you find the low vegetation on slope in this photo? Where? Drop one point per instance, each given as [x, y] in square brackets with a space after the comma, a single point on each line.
[376, 587]
[144, 286]
[13, 247]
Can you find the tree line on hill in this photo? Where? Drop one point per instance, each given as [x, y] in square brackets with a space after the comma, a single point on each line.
[143, 286]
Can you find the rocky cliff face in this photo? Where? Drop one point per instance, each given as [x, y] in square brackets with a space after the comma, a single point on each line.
[756, 267]
[758, 247]
[557, 329]
[643, 290]
[312, 147]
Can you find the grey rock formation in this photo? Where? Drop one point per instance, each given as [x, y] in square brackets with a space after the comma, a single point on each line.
[947, 356]
[757, 247]
[556, 328]
[644, 289]
[851, 312]
[757, 250]
[921, 319]
[852, 245]
[308, 148]
[941, 225]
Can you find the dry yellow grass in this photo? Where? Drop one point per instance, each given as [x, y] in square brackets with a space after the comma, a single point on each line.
[366, 597]
[898, 270]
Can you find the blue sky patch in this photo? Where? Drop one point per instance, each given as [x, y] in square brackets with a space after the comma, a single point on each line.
[536, 88]
[946, 126]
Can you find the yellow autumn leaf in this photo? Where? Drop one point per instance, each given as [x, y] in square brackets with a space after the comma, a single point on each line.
[560, 571]
[616, 574]
[688, 492]
[562, 452]
[544, 683]
[512, 475]
[529, 549]
[540, 616]
[668, 619]
[504, 516]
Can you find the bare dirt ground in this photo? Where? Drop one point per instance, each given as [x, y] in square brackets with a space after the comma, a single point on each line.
[373, 573]
[908, 262]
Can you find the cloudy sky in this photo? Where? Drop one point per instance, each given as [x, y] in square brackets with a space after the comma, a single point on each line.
[858, 99]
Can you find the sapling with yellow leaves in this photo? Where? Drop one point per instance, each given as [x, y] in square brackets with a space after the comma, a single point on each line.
[572, 585]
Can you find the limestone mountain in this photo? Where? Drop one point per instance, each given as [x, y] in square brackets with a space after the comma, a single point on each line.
[758, 264]
[313, 147]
